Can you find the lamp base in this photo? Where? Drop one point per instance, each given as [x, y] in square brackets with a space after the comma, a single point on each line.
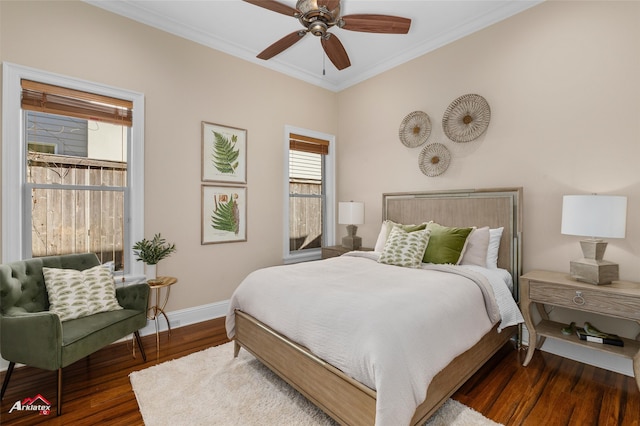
[593, 248]
[594, 271]
[352, 242]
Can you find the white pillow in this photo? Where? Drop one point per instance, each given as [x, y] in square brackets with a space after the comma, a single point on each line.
[494, 247]
[383, 235]
[75, 294]
[477, 247]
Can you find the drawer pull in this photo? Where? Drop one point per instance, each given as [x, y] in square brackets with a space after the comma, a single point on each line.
[578, 299]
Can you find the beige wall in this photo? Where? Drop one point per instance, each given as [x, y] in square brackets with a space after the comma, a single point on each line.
[561, 79]
[184, 83]
[562, 83]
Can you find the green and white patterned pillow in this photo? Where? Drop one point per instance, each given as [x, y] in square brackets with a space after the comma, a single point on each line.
[405, 248]
[75, 294]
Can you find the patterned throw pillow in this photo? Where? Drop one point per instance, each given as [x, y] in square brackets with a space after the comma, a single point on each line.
[405, 248]
[386, 228]
[75, 294]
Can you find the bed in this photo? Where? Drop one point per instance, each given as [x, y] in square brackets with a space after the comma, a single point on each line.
[324, 374]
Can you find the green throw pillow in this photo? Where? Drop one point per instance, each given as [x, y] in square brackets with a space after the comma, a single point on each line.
[405, 248]
[75, 294]
[446, 245]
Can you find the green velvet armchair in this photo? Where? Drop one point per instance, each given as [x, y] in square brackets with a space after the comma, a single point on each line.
[32, 335]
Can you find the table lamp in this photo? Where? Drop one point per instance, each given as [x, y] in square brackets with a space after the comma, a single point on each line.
[597, 217]
[351, 213]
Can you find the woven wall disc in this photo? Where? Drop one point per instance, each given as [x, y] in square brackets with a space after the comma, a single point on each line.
[415, 129]
[466, 118]
[434, 159]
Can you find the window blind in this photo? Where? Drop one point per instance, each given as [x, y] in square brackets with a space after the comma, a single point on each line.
[308, 144]
[75, 103]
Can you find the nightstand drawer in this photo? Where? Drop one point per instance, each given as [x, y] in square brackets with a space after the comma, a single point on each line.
[602, 302]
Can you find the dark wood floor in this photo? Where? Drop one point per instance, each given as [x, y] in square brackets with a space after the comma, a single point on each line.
[550, 391]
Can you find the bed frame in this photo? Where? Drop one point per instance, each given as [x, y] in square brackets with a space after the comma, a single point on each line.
[343, 398]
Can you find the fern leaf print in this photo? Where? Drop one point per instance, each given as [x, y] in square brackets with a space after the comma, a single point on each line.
[225, 154]
[226, 216]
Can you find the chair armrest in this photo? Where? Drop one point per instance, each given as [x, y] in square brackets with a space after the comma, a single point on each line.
[33, 339]
[135, 296]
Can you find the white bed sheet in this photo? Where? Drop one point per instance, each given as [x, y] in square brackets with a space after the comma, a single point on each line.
[392, 329]
[502, 284]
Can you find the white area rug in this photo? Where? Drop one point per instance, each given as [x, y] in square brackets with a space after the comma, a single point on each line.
[212, 388]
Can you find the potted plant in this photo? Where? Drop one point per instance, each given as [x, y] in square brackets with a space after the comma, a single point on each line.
[151, 252]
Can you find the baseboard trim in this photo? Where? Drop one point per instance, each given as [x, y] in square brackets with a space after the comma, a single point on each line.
[188, 316]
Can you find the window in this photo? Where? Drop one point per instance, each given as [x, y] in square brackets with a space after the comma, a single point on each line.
[310, 189]
[73, 158]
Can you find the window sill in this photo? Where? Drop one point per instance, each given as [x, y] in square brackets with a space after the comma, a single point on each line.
[314, 254]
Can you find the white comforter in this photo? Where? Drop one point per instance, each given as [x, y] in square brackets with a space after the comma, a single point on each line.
[391, 328]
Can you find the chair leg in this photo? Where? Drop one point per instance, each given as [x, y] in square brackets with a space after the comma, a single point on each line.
[7, 376]
[59, 409]
[139, 340]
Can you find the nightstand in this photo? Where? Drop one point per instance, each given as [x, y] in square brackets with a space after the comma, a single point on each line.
[335, 251]
[620, 299]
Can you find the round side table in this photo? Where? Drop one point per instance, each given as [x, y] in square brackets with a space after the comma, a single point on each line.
[157, 285]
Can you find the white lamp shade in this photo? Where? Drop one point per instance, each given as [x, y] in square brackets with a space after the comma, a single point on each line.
[597, 216]
[350, 213]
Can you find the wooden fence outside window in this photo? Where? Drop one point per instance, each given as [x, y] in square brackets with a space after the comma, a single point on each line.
[77, 220]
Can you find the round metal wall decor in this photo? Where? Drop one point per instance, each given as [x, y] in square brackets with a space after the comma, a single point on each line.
[466, 118]
[434, 159]
[415, 129]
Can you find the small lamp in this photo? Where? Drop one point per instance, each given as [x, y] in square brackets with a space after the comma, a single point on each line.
[595, 216]
[351, 213]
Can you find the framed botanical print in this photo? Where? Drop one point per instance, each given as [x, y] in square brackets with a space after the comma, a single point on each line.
[224, 153]
[224, 214]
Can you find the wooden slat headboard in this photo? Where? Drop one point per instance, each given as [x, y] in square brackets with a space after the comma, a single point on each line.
[498, 207]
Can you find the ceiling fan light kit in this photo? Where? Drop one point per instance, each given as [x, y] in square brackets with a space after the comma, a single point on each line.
[318, 16]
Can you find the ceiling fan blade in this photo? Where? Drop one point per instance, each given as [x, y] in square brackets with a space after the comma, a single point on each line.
[281, 45]
[335, 51]
[371, 23]
[274, 6]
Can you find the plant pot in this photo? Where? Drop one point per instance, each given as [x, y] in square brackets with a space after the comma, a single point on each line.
[150, 272]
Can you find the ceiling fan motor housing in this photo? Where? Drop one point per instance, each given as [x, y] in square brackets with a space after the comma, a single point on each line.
[318, 28]
[306, 6]
[317, 19]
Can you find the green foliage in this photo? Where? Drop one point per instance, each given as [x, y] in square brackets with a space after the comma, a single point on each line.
[225, 217]
[225, 156]
[153, 251]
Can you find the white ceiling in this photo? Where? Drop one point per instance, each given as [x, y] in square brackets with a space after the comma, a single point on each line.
[243, 30]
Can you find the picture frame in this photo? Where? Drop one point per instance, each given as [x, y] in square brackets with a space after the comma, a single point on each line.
[224, 154]
[224, 214]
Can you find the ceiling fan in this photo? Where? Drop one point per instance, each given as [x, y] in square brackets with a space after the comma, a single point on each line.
[318, 16]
